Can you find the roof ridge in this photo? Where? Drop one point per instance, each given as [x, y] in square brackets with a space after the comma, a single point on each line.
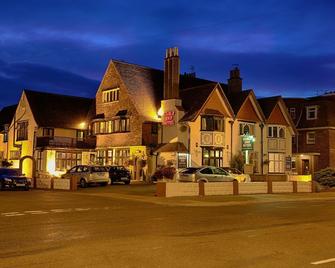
[136, 64]
[57, 94]
[203, 85]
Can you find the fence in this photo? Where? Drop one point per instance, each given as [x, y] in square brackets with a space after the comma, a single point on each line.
[171, 189]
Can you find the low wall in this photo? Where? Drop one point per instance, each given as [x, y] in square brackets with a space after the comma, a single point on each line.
[303, 178]
[61, 184]
[54, 184]
[272, 177]
[43, 183]
[172, 189]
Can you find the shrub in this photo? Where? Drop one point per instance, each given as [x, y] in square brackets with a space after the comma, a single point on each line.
[326, 177]
[168, 172]
[237, 161]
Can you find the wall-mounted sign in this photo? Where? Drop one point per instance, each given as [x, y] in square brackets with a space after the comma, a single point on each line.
[182, 160]
[248, 142]
[168, 118]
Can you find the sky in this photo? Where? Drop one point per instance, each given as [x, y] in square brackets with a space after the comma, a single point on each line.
[64, 46]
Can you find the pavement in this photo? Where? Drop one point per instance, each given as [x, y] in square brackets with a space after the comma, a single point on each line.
[127, 226]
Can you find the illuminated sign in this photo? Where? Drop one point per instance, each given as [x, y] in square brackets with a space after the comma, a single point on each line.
[168, 118]
[247, 142]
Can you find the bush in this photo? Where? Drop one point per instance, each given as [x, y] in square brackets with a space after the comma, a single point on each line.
[325, 177]
[237, 161]
[164, 172]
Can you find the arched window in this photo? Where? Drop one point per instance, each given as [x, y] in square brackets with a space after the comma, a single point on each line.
[246, 129]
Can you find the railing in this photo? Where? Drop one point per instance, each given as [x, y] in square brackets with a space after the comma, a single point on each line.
[66, 142]
[276, 144]
[212, 138]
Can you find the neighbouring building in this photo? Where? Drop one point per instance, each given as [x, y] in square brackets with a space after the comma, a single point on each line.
[49, 133]
[6, 117]
[314, 146]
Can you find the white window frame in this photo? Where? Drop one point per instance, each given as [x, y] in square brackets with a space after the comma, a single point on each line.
[310, 140]
[292, 112]
[308, 110]
[276, 163]
[251, 126]
[111, 95]
[273, 135]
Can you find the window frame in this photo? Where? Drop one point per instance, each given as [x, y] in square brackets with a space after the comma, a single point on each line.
[22, 132]
[292, 112]
[308, 110]
[111, 95]
[211, 123]
[310, 141]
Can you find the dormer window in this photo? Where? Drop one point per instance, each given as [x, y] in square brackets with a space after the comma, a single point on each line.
[247, 129]
[111, 95]
[311, 112]
[276, 132]
[292, 113]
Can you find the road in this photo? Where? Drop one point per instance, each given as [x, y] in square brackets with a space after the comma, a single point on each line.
[126, 226]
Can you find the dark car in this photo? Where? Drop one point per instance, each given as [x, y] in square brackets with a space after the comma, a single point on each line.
[119, 174]
[12, 179]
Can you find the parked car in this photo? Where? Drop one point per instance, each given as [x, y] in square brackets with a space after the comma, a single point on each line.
[86, 175]
[234, 172]
[13, 179]
[205, 174]
[119, 174]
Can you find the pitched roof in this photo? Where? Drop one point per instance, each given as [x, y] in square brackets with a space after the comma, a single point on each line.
[194, 98]
[146, 85]
[6, 115]
[236, 99]
[59, 111]
[268, 104]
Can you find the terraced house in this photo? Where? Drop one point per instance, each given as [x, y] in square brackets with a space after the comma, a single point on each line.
[148, 118]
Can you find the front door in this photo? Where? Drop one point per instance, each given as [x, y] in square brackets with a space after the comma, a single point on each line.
[305, 167]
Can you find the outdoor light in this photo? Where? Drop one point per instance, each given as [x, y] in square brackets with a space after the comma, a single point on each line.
[82, 125]
[160, 112]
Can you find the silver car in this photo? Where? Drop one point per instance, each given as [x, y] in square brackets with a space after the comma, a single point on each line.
[88, 174]
[205, 174]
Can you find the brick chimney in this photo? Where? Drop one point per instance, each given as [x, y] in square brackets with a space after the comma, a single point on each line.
[171, 74]
[235, 81]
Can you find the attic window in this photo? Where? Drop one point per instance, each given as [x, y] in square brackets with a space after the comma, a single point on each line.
[311, 112]
[111, 95]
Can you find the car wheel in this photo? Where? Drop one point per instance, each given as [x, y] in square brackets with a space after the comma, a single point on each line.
[83, 183]
[103, 183]
[126, 182]
[1, 186]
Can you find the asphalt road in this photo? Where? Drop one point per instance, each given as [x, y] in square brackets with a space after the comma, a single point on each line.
[126, 226]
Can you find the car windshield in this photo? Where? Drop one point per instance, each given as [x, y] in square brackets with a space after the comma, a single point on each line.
[9, 172]
[98, 169]
[189, 170]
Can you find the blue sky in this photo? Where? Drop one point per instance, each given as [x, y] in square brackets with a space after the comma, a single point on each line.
[282, 47]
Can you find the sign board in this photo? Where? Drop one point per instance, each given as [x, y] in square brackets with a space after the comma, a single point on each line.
[182, 160]
[168, 118]
[247, 142]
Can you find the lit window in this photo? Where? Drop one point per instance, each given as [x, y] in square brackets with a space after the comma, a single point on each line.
[276, 132]
[276, 163]
[310, 137]
[48, 132]
[67, 160]
[14, 155]
[212, 123]
[247, 129]
[111, 95]
[311, 112]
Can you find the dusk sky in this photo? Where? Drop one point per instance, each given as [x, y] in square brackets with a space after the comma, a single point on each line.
[282, 47]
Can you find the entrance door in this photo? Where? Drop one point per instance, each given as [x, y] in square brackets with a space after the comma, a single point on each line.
[305, 167]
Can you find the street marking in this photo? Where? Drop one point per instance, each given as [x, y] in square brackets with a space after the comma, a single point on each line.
[12, 214]
[60, 210]
[323, 261]
[36, 212]
[82, 209]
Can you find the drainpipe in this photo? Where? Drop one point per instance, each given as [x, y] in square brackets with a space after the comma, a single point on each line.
[261, 125]
[231, 122]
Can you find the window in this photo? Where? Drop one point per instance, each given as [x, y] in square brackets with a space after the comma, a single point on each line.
[39, 155]
[81, 134]
[310, 137]
[212, 123]
[5, 136]
[48, 132]
[212, 156]
[112, 126]
[206, 171]
[247, 128]
[276, 163]
[67, 160]
[276, 132]
[22, 131]
[111, 95]
[311, 112]
[121, 156]
[14, 155]
[101, 157]
[292, 113]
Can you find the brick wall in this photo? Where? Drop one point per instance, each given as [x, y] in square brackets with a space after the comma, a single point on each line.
[134, 137]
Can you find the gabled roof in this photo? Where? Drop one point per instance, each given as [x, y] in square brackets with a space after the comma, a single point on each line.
[59, 111]
[268, 104]
[236, 99]
[6, 115]
[145, 85]
[194, 98]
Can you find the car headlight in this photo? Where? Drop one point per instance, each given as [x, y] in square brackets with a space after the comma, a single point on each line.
[7, 180]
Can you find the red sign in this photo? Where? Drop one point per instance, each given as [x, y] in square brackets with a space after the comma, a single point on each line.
[168, 118]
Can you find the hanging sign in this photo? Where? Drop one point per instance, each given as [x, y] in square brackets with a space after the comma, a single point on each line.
[247, 142]
[168, 118]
